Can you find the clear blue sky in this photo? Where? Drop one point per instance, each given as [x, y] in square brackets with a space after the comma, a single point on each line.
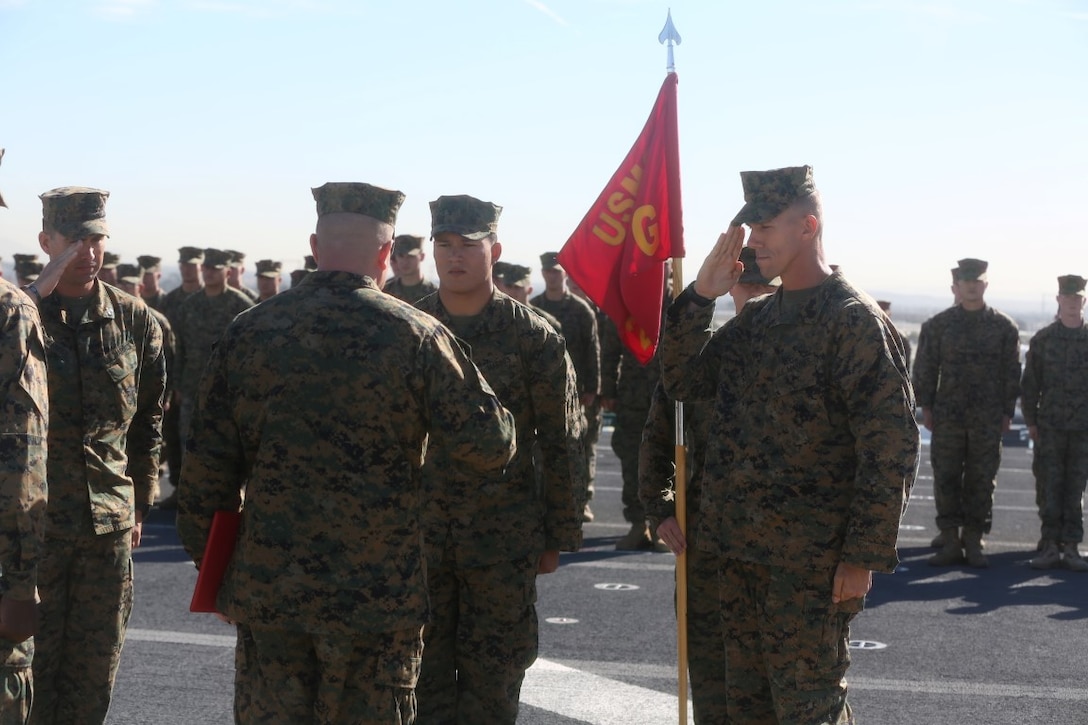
[938, 129]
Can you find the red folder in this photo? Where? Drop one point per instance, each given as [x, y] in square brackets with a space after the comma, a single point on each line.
[217, 554]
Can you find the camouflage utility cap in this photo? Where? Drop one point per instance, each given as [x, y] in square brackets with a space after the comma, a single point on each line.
[130, 273]
[884, 305]
[269, 268]
[751, 273]
[1071, 284]
[237, 259]
[76, 212]
[309, 263]
[972, 269]
[768, 193]
[464, 215]
[190, 255]
[28, 270]
[216, 258]
[110, 260]
[348, 197]
[956, 274]
[298, 275]
[549, 260]
[516, 275]
[149, 263]
[407, 244]
[21, 258]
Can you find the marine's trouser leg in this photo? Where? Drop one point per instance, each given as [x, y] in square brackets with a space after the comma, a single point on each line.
[285, 676]
[786, 645]
[706, 647]
[947, 454]
[85, 583]
[592, 436]
[980, 476]
[494, 643]
[626, 439]
[171, 436]
[1064, 463]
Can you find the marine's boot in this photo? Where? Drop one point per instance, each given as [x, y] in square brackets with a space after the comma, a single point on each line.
[1072, 558]
[972, 549]
[1049, 557]
[951, 552]
[637, 538]
[938, 541]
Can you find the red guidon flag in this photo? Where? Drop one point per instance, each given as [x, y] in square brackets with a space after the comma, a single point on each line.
[617, 254]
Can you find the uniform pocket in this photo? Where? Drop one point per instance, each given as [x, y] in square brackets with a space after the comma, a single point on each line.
[121, 369]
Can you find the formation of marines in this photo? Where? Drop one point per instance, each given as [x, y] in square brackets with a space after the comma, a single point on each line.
[408, 459]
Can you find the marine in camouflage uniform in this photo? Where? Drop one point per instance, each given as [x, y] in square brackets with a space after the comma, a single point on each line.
[634, 385]
[657, 489]
[107, 376]
[409, 284]
[488, 537]
[811, 454]
[579, 323]
[236, 274]
[151, 272]
[130, 279]
[1054, 400]
[269, 278]
[609, 343]
[200, 321]
[24, 419]
[189, 261]
[320, 403]
[967, 377]
[513, 281]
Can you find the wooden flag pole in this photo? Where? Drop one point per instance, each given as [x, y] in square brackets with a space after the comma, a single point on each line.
[681, 488]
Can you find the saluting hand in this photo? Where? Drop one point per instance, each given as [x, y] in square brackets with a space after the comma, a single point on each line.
[722, 267]
[51, 273]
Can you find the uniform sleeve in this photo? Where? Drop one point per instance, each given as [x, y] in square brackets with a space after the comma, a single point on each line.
[144, 442]
[468, 423]
[609, 343]
[926, 365]
[1011, 385]
[656, 464]
[213, 471]
[690, 354]
[1031, 383]
[557, 430]
[870, 374]
[24, 409]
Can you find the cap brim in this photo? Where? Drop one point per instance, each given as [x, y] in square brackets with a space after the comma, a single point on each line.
[270, 275]
[89, 228]
[473, 234]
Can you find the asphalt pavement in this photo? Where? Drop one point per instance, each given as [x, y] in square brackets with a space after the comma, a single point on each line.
[952, 646]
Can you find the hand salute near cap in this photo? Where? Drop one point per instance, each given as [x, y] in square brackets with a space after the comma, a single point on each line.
[722, 267]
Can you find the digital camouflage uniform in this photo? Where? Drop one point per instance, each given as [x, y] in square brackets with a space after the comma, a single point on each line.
[107, 376]
[149, 263]
[171, 303]
[967, 372]
[811, 458]
[1054, 398]
[657, 479]
[200, 320]
[320, 403]
[634, 389]
[405, 244]
[24, 418]
[409, 293]
[485, 535]
[578, 325]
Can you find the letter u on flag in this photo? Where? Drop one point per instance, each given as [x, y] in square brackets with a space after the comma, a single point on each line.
[617, 254]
